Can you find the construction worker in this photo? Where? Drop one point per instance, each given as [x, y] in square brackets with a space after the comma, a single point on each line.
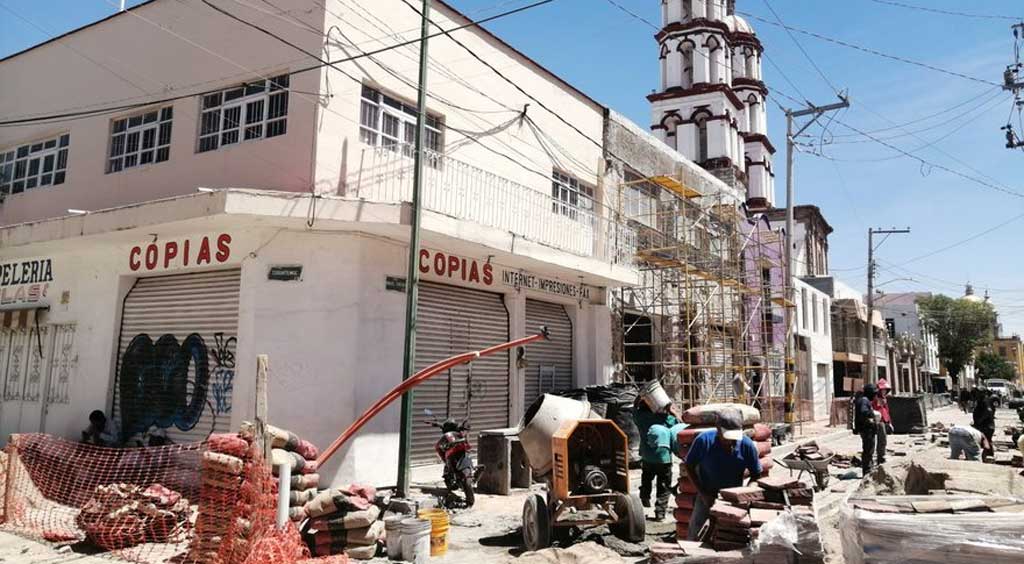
[101, 431]
[717, 460]
[884, 427]
[966, 440]
[865, 424]
[655, 456]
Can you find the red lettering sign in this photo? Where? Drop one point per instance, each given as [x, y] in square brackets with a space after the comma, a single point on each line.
[175, 254]
[455, 267]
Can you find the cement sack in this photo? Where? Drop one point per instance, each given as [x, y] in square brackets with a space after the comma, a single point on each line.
[361, 552]
[281, 438]
[583, 553]
[298, 498]
[305, 481]
[298, 464]
[348, 520]
[340, 500]
[223, 463]
[707, 415]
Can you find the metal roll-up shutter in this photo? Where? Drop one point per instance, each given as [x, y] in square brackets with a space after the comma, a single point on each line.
[450, 321]
[176, 356]
[549, 363]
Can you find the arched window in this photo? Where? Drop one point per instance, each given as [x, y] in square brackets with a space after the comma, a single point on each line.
[664, 66]
[715, 66]
[752, 114]
[671, 122]
[700, 119]
[687, 50]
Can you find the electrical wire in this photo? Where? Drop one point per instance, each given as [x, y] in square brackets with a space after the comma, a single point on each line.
[872, 51]
[945, 12]
[801, 47]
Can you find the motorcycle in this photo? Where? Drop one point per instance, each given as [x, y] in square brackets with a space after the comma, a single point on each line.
[453, 449]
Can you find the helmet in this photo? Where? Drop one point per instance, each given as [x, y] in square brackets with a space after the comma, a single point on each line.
[883, 384]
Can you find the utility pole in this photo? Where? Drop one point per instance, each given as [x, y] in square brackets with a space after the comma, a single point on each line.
[872, 375]
[815, 112]
[412, 276]
[1012, 82]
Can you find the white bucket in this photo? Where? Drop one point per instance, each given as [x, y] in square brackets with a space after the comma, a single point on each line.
[416, 541]
[393, 536]
[541, 422]
[655, 396]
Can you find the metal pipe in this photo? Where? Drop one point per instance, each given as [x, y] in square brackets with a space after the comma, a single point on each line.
[284, 487]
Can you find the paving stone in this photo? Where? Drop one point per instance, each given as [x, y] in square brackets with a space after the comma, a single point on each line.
[742, 495]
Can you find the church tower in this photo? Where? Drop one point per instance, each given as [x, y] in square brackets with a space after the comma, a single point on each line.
[710, 105]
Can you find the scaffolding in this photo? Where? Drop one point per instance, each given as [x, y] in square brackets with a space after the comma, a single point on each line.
[707, 318]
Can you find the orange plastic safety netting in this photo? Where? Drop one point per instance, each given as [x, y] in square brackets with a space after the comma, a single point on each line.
[211, 502]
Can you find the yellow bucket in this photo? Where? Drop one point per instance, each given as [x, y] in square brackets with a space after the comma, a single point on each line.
[438, 530]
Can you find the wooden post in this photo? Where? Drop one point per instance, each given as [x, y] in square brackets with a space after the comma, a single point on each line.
[262, 368]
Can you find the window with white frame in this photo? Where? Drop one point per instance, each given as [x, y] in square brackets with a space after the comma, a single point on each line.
[254, 110]
[140, 139]
[34, 165]
[386, 121]
[640, 201]
[570, 197]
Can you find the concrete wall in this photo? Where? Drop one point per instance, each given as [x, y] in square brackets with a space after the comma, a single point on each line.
[478, 108]
[156, 51]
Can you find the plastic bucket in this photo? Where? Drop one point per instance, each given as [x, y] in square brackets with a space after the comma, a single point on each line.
[655, 396]
[416, 540]
[438, 530]
[393, 536]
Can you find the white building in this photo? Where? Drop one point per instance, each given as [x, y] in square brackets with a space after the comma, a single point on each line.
[902, 314]
[160, 297]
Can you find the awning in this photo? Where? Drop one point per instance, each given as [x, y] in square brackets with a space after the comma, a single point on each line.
[21, 318]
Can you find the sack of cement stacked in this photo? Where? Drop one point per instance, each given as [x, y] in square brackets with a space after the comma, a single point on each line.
[223, 475]
[344, 521]
[300, 455]
[707, 415]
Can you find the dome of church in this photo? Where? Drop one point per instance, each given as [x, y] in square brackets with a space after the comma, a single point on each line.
[738, 24]
[970, 296]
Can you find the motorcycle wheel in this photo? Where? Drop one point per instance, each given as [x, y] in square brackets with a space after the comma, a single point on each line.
[467, 490]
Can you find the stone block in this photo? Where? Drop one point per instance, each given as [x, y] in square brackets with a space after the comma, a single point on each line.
[742, 495]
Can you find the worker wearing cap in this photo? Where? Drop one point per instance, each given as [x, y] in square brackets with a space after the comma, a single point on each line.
[884, 427]
[717, 460]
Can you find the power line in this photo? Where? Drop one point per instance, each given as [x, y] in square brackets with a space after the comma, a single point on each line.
[871, 51]
[944, 12]
[934, 165]
[111, 109]
[801, 47]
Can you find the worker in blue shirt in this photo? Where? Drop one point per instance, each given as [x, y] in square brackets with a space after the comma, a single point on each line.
[716, 460]
[655, 456]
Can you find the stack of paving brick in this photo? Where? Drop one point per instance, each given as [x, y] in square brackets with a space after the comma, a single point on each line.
[738, 514]
[223, 507]
[300, 455]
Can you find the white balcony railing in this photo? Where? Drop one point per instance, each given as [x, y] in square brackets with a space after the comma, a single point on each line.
[465, 192]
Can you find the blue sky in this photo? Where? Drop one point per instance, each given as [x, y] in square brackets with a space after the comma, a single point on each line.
[613, 57]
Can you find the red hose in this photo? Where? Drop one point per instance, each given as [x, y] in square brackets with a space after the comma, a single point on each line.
[414, 381]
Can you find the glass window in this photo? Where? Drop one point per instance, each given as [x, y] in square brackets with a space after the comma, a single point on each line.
[255, 110]
[572, 198]
[388, 122]
[140, 139]
[34, 165]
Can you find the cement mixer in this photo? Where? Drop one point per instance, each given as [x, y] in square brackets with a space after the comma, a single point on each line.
[585, 462]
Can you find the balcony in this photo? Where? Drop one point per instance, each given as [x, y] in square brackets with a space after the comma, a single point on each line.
[468, 193]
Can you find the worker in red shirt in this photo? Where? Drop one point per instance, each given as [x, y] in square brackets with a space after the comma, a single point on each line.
[881, 405]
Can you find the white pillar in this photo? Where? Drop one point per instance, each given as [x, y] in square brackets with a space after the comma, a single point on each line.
[701, 62]
[674, 11]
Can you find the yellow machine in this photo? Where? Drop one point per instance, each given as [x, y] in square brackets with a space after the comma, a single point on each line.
[589, 486]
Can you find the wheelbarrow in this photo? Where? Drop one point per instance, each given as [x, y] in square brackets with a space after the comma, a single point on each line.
[816, 468]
